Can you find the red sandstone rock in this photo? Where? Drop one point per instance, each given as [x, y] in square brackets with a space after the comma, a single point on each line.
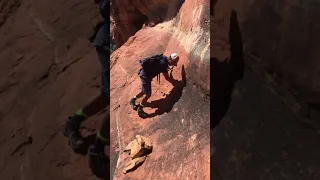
[47, 71]
[180, 133]
[274, 34]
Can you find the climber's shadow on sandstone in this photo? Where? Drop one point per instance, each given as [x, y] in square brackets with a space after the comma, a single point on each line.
[166, 104]
[225, 73]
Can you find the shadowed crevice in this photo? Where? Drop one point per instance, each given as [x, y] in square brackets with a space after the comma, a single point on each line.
[224, 74]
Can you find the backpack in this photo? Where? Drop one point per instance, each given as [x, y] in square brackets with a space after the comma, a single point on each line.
[149, 63]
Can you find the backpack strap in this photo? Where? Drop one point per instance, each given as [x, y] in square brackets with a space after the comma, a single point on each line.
[158, 78]
[139, 71]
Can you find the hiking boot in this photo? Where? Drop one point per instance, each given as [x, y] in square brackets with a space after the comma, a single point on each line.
[99, 163]
[133, 104]
[141, 113]
[71, 130]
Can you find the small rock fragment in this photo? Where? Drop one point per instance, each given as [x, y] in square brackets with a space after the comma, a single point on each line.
[133, 163]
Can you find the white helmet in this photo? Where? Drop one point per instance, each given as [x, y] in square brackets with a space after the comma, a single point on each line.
[174, 56]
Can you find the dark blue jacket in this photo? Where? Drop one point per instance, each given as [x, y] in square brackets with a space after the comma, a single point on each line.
[103, 35]
[162, 67]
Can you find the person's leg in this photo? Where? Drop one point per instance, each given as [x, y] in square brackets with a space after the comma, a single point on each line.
[139, 95]
[94, 106]
[133, 100]
[73, 123]
[99, 153]
[146, 89]
[145, 99]
[103, 135]
[98, 160]
[105, 87]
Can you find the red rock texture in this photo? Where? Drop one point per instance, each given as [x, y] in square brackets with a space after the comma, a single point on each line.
[189, 25]
[180, 125]
[131, 15]
[47, 71]
[282, 35]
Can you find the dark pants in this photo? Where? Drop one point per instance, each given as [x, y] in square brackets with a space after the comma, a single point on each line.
[145, 85]
[104, 59]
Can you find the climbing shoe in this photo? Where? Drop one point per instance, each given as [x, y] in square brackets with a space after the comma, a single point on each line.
[133, 104]
[141, 113]
[99, 163]
[71, 131]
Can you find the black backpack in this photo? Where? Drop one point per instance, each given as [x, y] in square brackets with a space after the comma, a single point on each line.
[149, 63]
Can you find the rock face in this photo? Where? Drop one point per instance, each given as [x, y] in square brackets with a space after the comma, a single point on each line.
[47, 71]
[282, 35]
[189, 27]
[259, 134]
[255, 135]
[179, 114]
[129, 16]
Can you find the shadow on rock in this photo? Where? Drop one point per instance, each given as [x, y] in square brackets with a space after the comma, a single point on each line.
[212, 5]
[215, 173]
[225, 73]
[166, 104]
[173, 9]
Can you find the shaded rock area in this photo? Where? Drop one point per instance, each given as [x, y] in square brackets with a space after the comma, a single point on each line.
[261, 138]
[261, 127]
[179, 117]
[48, 70]
[281, 39]
[131, 15]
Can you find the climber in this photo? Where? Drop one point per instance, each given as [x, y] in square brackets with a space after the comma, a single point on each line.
[161, 64]
[98, 161]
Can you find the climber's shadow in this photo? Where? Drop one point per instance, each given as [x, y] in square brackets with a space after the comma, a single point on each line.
[225, 73]
[166, 104]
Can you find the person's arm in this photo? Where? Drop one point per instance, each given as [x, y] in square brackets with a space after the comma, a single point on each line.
[168, 78]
